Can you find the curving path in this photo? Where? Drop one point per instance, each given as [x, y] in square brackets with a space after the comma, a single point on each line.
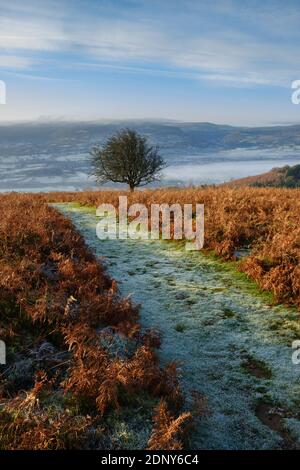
[231, 343]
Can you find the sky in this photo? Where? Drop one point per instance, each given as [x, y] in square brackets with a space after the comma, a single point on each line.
[225, 61]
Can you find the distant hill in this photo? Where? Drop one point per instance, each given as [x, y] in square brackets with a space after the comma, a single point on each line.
[285, 177]
[171, 136]
[52, 155]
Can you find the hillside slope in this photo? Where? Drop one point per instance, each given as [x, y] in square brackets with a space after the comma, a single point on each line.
[285, 177]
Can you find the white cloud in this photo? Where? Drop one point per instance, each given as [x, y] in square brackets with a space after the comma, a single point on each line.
[15, 62]
[166, 43]
[30, 34]
[28, 76]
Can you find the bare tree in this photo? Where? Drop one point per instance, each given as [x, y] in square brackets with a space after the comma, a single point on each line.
[127, 158]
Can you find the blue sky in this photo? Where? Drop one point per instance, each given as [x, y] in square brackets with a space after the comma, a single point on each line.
[224, 61]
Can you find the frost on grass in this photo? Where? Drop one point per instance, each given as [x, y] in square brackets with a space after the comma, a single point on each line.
[213, 322]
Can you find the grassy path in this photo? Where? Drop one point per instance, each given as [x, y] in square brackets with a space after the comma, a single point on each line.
[232, 345]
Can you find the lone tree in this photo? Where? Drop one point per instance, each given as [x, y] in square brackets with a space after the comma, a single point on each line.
[127, 158]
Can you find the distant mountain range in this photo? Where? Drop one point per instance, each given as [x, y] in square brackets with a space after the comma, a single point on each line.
[181, 137]
[55, 155]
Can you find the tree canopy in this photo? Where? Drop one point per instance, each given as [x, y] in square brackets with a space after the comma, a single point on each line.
[127, 158]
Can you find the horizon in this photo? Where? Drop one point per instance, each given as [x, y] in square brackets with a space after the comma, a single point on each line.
[222, 63]
[161, 121]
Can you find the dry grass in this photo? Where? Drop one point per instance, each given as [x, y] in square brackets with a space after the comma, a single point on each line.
[60, 316]
[60, 313]
[267, 221]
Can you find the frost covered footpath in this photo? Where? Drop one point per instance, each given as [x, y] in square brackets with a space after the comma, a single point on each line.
[232, 345]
